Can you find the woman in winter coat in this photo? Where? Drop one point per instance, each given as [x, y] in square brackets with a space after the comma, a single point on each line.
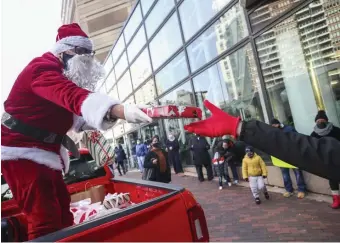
[156, 165]
[323, 128]
[172, 147]
[120, 157]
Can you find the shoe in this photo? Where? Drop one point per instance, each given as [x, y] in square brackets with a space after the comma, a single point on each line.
[220, 188]
[336, 202]
[257, 200]
[301, 195]
[229, 183]
[235, 182]
[266, 195]
[288, 194]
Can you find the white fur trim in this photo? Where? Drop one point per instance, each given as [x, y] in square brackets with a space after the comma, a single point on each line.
[65, 157]
[70, 42]
[40, 156]
[94, 109]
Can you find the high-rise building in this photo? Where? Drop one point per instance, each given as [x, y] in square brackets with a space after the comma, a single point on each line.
[102, 20]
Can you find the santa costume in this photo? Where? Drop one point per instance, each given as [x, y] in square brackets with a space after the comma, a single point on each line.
[46, 100]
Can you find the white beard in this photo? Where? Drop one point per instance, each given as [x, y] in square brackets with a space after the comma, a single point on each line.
[85, 71]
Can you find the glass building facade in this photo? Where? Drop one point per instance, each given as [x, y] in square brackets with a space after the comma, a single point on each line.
[280, 59]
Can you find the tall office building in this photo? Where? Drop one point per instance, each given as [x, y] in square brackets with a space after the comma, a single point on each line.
[102, 20]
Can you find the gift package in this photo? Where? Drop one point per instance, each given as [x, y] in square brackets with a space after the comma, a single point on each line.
[86, 209]
[173, 112]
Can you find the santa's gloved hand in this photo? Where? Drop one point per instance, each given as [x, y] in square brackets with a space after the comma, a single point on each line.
[131, 113]
[219, 124]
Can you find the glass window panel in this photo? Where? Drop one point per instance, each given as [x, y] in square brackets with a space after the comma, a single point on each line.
[102, 89]
[196, 13]
[183, 95]
[166, 42]
[223, 34]
[130, 100]
[146, 93]
[157, 15]
[146, 5]
[266, 13]
[114, 93]
[118, 48]
[108, 64]
[140, 69]
[299, 54]
[121, 65]
[172, 73]
[110, 81]
[134, 22]
[124, 85]
[136, 44]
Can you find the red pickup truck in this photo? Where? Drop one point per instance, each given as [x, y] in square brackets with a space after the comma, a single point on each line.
[162, 212]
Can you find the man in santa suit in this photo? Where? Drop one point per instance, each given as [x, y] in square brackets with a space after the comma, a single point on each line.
[53, 94]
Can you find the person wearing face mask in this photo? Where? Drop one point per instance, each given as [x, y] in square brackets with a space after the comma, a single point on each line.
[324, 128]
[156, 165]
[172, 147]
[200, 150]
[254, 171]
[53, 94]
[141, 151]
[287, 181]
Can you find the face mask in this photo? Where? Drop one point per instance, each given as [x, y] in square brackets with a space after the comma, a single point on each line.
[138, 142]
[321, 125]
[66, 58]
[250, 154]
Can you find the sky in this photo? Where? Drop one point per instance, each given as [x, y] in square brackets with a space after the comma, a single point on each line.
[28, 29]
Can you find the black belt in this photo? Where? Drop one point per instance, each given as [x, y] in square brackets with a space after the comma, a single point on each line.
[39, 134]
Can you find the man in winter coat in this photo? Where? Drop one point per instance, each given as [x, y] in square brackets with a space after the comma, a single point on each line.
[316, 156]
[200, 147]
[172, 147]
[141, 151]
[120, 157]
[287, 181]
[323, 128]
[53, 93]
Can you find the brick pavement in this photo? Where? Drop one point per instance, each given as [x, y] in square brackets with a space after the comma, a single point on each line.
[232, 214]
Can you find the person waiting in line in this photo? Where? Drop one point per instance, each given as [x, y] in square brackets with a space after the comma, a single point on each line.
[254, 171]
[200, 149]
[316, 156]
[287, 181]
[156, 165]
[324, 128]
[220, 164]
[120, 158]
[133, 154]
[227, 150]
[172, 147]
[141, 151]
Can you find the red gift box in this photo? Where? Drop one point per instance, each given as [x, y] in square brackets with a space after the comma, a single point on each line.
[173, 112]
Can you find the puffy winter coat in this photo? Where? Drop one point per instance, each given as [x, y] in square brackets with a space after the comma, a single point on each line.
[253, 166]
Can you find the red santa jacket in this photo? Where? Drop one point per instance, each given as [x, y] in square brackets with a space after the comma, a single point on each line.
[43, 97]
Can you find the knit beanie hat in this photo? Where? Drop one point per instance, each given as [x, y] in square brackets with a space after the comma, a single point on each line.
[275, 121]
[321, 115]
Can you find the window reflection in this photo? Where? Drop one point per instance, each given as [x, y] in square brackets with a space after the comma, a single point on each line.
[301, 53]
[110, 81]
[146, 5]
[166, 42]
[108, 64]
[134, 22]
[114, 93]
[157, 15]
[121, 65]
[222, 35]
[194, 14]
[136, 44]
[118, 48]
[146, 93]
[184, 96]
[232, 84]
[130, 100]
[172, 73]
[140, 69]
[124, 85]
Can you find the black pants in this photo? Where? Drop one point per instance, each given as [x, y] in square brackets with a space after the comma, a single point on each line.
[222, 172]
[200, 172]
[120, 165]
[175, 161]
[334, 185]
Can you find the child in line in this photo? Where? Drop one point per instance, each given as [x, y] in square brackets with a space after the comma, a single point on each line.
[254, 171]
[221, 168]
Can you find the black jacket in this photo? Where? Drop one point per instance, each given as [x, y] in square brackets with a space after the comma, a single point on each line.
[317, 156]
[156, 174]
[335, 133]
[200, 151]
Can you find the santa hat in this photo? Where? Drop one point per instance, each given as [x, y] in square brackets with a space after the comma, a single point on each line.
[70, 36]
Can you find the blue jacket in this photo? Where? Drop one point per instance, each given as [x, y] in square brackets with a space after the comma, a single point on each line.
[288, 129]
[141, 149]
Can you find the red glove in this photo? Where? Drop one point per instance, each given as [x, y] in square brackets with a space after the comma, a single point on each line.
[219, 124]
